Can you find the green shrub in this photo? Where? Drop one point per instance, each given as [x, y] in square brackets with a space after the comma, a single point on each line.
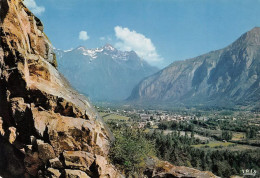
[130, 150]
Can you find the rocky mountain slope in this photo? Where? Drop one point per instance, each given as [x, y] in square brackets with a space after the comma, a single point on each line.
[104, 74]
[46, 128]
[225, 77]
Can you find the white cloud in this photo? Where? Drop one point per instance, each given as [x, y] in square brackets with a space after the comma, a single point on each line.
[107, 38]
[102, 38]
[83, 35]
[143, 46]
[31, 4]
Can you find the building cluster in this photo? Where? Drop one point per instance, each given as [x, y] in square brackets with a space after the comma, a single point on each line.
[152, 117]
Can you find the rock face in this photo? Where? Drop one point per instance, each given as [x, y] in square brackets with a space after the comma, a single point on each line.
[47, 129]
[104, 74]
[157, 169]
[225, 77]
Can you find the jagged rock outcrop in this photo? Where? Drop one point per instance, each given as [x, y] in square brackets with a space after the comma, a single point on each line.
[46, 128]
[157, 168]
[228, 77]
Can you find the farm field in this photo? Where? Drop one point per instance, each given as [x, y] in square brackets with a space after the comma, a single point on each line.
[214, 144]
[111, 116]
[236, 136]
[225, 146]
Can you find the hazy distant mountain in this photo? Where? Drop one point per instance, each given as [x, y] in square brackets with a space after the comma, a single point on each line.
[226, 77]
[104, 74]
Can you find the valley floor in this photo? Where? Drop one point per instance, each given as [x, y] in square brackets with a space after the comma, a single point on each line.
[224, 142]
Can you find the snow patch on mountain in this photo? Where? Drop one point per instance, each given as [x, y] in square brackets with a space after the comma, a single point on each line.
[108, 50]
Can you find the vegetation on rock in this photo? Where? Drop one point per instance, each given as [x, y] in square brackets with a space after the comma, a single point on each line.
[131, 149]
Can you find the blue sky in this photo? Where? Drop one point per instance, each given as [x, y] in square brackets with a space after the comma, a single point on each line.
[161, 31]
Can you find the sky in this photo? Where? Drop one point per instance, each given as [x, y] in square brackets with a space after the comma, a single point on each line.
[159, 31]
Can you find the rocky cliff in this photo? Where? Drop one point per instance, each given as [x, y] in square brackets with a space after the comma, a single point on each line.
[228, 77]
[46, 128]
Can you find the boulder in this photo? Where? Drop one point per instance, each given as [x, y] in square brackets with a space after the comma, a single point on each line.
[75, 174]
[18, 108]
[78, 160]
[157, 168]
[32, 163]
[45, 151]
[2, 132]
[54, 173]
[12, 135]
[105, 169]
[55, 163]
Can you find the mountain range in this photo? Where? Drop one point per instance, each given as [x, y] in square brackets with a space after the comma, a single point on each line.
[103, 74]
[224, 78]
[47, 129]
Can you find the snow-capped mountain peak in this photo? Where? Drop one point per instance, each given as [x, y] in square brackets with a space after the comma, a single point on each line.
[109, 47]
[104, 73]
[90, 52]
[108, 50]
